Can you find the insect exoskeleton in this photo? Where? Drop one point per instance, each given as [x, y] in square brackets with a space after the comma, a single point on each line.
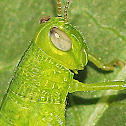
[63, 42]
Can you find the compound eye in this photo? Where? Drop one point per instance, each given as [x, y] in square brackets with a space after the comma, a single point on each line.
[44, 19]
[60, 39]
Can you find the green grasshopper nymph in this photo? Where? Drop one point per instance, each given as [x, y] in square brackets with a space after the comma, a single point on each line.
[38, 91]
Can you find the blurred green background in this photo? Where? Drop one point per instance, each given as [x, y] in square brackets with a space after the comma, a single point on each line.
[103, 25]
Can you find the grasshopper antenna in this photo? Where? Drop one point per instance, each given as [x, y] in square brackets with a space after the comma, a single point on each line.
[59, 8]
[65, 11]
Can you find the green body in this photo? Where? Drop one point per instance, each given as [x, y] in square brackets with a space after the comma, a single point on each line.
[38, 91]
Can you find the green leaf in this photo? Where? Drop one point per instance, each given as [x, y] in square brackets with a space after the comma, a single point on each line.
[102, 24]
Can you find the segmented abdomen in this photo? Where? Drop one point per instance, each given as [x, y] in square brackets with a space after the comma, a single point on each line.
[37, 92]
